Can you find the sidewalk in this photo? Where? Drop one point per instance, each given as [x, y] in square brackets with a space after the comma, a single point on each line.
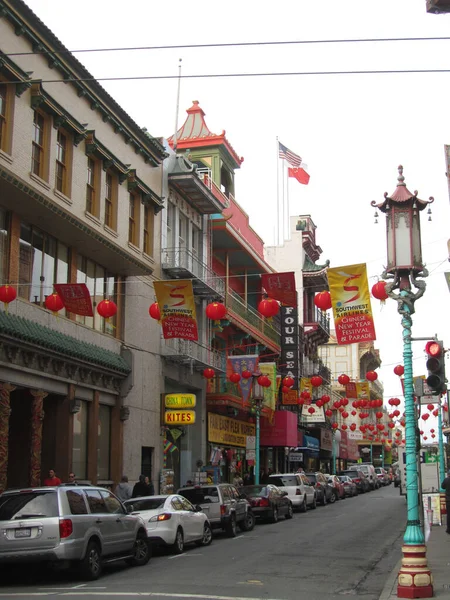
[438, 555]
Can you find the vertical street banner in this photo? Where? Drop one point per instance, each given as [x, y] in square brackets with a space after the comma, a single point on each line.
[289, 363]
[281, 287]
[177, 306]
[306, 385]
[363, 390]
[352, 310]
[270, 393]
[239, 364]
[350, 390]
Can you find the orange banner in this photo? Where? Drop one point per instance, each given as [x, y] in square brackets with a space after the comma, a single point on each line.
[176, 303]
[350, 298]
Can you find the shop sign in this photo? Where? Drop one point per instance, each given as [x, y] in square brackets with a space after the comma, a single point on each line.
[289, 343]
[311, 443]
[229, 432]
[179, 417]
[179, 400]
[298, 457]
[318, 416]
[326, 440]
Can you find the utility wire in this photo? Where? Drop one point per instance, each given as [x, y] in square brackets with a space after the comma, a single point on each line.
[237, 45]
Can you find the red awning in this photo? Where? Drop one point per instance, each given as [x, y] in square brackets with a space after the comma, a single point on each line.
[281, 432]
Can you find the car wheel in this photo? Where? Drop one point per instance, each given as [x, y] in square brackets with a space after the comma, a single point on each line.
[249, 522]
[314, 504]
[275, 515]
[91, 565]
[332, 499]
[290, 512]
[304, 506]
[178, 545]
[141, 552]
[231, 528]
[207, 536]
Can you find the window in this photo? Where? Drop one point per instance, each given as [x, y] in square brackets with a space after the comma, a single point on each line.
[43, 261]
[92, 186]
[80, 441]
[170, 225]
[186, 505]
[96, 502]
[76, 502]
[104, 441]
[61, 163]
[3, 114]
[101, 285]
[182, 231]
[133, 219]
[195, 242]
[38, 145]
[112, 504]
[29, 503]
[111, 192]
[149, 214]
[176, 503]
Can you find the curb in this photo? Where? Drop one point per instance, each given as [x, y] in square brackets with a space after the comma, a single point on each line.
[389, 586]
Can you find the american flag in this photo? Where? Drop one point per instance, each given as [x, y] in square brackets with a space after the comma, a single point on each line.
[293, 159]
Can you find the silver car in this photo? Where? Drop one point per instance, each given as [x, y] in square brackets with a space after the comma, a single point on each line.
[82, 525]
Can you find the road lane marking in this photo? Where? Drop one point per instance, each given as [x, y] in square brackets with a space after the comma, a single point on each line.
[183, 555]
[166, 595]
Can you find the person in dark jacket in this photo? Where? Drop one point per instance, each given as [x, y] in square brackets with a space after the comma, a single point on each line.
[141, 488]
[445, 485]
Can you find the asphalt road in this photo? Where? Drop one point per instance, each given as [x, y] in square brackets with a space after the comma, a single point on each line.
[345, 549]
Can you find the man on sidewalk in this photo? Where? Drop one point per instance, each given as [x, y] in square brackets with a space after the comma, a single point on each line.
[445, 485]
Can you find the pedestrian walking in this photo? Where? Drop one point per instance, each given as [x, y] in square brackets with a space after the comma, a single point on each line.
[150, 486]
[72, 478]
[123, 489]
[445, 485]
[141, 488]
[52, 479]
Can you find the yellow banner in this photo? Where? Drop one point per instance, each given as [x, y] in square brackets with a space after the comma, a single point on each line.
[223, 430]
[306, 385]
[350, 298]
[270, 393]
[363, 390]
[177, 306]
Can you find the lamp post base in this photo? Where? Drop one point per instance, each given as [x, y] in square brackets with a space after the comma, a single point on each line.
[414, 578]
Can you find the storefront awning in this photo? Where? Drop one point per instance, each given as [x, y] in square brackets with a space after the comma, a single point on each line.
[282, 431]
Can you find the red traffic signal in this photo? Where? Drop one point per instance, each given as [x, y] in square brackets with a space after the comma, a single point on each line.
[436, 367]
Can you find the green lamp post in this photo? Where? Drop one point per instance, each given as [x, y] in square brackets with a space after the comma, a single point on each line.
[404, 273]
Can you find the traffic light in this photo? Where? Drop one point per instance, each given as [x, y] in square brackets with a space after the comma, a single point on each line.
[436, 367]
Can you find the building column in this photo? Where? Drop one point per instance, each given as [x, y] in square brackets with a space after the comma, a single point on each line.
[5, 411]
[118, 415]
[64, 434]
[37, 418]
[93, 438]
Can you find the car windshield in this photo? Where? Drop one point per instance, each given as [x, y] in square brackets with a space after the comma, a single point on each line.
[254, 490]
[146, 503]
[28, 504]
[201, 495]
[350, 473]
[311, 477]
[282, 480]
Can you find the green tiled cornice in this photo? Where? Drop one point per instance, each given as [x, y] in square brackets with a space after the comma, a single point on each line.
[23, 330]
[310, 267]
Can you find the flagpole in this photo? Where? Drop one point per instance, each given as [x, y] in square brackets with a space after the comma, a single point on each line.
[277, 236]
[178, 106]
[282, 205]
[288, 232]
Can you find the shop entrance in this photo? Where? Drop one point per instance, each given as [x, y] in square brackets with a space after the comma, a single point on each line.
[19, 438]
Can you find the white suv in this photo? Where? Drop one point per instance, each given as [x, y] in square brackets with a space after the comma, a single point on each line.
[300, 491]
[369, 472]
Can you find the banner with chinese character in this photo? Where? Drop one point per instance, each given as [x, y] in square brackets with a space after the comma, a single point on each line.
[350, 298]
[176, 303]
[76, 298]
[350, 390]
[270, 393]
[239, 364]
[281, 287]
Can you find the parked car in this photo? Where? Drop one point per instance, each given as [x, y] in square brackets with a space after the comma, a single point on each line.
[383, 476]
[324, 491]
[359, 478]
[268, 501]
[300, 491]
[172, 521]
[84, 525]
[369, 472]
[224, 506]
[349, 486]
[338, 486]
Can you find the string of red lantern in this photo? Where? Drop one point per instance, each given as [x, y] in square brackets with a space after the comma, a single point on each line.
[107, 309]
[323, 300]
[268, 307]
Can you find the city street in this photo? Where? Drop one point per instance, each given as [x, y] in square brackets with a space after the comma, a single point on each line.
[345, 549]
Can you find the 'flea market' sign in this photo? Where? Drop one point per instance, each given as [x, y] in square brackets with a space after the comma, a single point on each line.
[223, 430]
[179, 400]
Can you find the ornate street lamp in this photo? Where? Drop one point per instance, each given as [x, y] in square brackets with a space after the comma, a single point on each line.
[336, 441]
[257, 399]
[404, 267]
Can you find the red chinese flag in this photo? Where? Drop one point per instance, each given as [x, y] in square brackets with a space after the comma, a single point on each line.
[300, 173]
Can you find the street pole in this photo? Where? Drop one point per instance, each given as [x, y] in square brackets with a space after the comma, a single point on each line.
[258, 410]
[441, 447]
[333, 458]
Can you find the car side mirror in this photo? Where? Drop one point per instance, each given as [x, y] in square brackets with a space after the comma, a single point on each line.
[129, 508]
[198, 508]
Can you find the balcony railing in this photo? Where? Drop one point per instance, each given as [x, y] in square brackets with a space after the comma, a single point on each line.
[377, 388]
[236, 305]
[201, 356]
[183, 260]
[320, 317]
[206, 176]
[316, 367]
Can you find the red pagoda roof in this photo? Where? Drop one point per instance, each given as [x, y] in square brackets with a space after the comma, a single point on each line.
[401, 195]
[195, 133]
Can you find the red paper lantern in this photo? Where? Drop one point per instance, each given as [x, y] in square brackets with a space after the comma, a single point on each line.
[216, 311]
[323, 300]
[353, 413]
[208, 373]
[246, 374]
[343, 379]
[344, 401]
[154, 311]
[445, 408]
[329, 412]
[319, 403]
[264, 381]
[371, 376]
[311, 410]
[288, 382]
[344, 426]
[396, 413]
[379, 414]
[436, 412]
[54, 303]
[425, 417]
[344, 414]
[391, 425]
[325, 399]
[432, 430]
[107, 309]
[235, 378]
[7, 294]
[380, 426]
[334, 425]
[268, 307]
[285, 389]
[399, 370]
[430, 407]
[316, 380]
[379, 291]
[353, 426]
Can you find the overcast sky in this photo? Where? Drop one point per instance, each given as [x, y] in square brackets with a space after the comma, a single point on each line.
[352, 130]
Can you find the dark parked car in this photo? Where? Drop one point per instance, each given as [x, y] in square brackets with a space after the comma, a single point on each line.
[268, 501]
[325, 491]
[358, 477]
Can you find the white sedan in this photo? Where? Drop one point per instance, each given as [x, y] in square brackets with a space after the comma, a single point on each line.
[171, 521]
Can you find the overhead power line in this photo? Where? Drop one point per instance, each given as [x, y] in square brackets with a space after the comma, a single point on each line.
[240, 75]
[237, 45]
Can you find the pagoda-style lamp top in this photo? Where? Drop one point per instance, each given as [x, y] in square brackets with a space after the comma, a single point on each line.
[402, 208]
